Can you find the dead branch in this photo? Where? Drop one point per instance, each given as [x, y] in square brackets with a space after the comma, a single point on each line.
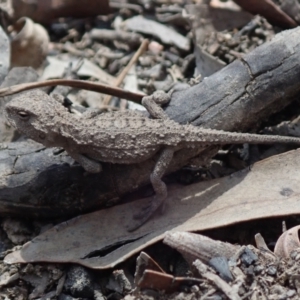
[37, 182]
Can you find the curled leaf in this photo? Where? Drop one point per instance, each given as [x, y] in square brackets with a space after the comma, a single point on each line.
[287, 242]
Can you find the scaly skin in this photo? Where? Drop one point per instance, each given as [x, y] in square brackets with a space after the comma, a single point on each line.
[119, 137]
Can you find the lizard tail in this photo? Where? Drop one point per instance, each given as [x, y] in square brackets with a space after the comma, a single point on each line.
[225, 137]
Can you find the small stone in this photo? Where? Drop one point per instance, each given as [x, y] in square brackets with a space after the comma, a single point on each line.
[248, 257]
[271, 270]
[258, 269]
[291, 293]
[79, 282]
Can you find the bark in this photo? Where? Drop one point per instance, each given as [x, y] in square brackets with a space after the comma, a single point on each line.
[38, 182]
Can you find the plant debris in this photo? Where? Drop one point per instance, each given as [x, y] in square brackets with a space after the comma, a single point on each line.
[144, 46]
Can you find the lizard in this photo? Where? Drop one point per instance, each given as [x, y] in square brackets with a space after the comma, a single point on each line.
[120, 137]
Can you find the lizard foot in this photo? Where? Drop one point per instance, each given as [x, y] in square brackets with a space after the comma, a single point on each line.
[157, 203]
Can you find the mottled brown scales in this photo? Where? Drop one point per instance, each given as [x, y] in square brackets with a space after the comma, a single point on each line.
[124, 137]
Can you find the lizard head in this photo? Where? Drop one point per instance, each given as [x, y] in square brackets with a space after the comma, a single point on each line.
[33, 115]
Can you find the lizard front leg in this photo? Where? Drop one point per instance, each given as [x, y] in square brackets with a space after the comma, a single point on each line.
[160, 189]
[87, 163]
[153, 102]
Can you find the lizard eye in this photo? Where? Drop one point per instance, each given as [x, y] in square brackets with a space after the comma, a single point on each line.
[23, 115]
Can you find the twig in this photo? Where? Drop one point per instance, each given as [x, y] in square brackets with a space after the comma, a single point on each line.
[219, 283]
[120, 78]
[80, 84]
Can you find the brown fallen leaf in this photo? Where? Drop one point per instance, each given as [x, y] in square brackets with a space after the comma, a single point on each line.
[145, 262]
[100, 240]
[292, 9]
[165, 282]
[44, 11]
[269, 10]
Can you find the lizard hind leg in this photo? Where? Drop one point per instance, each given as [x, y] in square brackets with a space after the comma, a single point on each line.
[160, 189]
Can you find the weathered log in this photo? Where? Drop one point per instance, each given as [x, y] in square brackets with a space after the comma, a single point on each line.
[37, 182]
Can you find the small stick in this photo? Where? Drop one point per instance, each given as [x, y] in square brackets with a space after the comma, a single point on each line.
[228, 290]
[121, 76]
[80, 84]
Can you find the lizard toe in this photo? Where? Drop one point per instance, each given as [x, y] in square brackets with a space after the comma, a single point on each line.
[146, 213]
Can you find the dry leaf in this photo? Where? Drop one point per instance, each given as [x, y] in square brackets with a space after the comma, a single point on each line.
[269, 10]
[100, 240]
[45, 11]
[287, 242]
[165, 282]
